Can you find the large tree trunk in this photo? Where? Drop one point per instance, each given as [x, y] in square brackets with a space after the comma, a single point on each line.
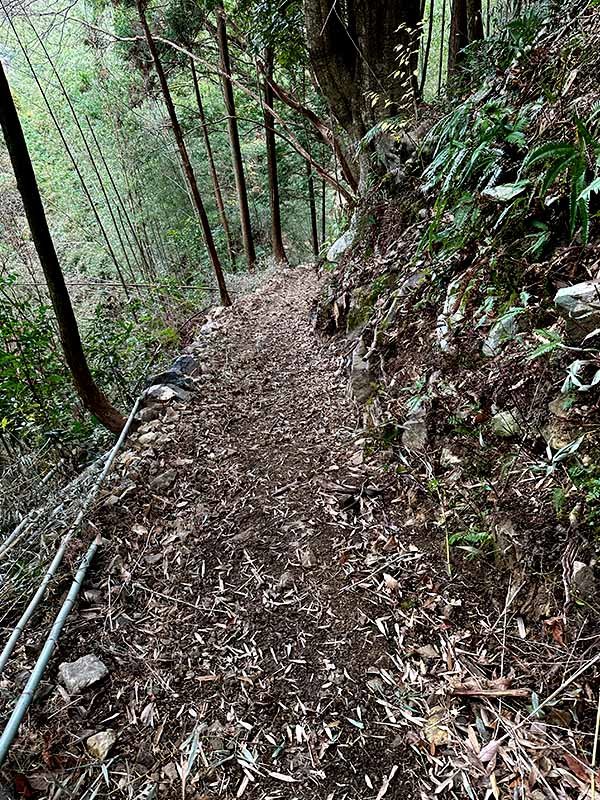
[214, 175]
[91, 396]
[234, 136]
[185, 159]
[364, 55]
[466, 27]
[277, 247]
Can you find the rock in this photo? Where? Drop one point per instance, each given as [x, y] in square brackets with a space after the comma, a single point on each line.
[99, 745]
[173, 378]
[308, 558]
[360, 374]
[78, 675]
[164, 480]
[453, 312]
[559, 432]
[580, 306]
[166, 393]
[341, 245]
[506, 424]
[209, 327]
[414, 436]
[584, 581]
[286, 581]
[561, 406]
[148, 414]
[187, 365]
[448, 458]
[146, 439]
[502, 331]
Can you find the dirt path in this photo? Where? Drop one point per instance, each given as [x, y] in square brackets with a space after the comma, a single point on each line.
[225, 601]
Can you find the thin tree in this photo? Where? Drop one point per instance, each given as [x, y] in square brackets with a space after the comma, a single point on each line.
[277, 247]
[314, 230]
[234, 136]
[466, 27]
[185, 159]
[214, 175]
[91, 396]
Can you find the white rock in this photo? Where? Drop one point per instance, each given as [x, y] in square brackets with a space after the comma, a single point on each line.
[580, 305]
[163, 393]
[78, 675]
[99, 745]
[501, 332]
[339, 247]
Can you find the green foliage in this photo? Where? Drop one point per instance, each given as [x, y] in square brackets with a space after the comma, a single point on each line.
[475, 146]
[473, 542]
[574, 166]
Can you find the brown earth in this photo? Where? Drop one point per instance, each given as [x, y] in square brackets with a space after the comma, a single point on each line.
[277, 616]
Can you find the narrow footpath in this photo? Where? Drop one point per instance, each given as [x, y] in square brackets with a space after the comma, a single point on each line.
[253, 600]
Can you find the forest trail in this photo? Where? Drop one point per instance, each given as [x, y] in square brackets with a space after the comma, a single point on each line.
[242, 600]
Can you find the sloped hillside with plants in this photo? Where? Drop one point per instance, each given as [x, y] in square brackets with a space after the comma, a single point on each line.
[472, 300]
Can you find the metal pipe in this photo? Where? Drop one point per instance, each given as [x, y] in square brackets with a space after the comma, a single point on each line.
[56, 561]
[24, 701]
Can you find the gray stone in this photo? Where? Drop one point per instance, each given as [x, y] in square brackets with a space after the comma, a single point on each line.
[164, 480]
[360, 374]
[414, 436]
[78, 675]
[187, 365]
[506, 424]
[99, 745]
[286, 581]
[148, 414]
[580, 306]
[166, 393]
[172, 377]
[308, 558]
[209, 327]
[341, 245]
[505, 329]
[584, 581]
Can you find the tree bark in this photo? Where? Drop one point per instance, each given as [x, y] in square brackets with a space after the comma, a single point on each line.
[91, 396]
[466, 27]
[364, 55]
[234, 137]
[185, 159]
[277, 247]
[214, 175]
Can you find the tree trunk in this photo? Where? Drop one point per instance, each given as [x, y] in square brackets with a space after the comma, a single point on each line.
[234, 137]
[314, 230]
[364, 55]
[277, 247]
[466, 27]
[212, 167]
[91, 396]
[323, 214]
[185, 159]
